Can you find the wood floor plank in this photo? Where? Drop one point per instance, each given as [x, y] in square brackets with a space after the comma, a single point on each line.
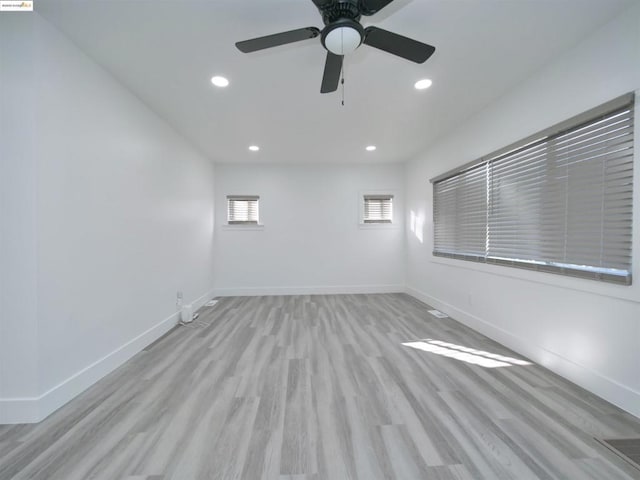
[323, 387]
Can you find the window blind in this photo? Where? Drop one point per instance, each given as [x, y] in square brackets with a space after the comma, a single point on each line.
[461, 208]
[378, 209]
[560, 201]
[242, 209]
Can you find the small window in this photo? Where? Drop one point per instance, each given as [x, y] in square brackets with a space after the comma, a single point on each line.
[242, 209]
[378, 209]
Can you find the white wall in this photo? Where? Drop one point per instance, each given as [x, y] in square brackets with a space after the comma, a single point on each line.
[18, 319]
[587, 331]
[311, 241]
[116, 215]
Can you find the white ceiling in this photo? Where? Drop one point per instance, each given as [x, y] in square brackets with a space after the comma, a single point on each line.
[167, 51]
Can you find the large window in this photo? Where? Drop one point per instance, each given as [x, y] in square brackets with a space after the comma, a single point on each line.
[559, 201]
[242, 209]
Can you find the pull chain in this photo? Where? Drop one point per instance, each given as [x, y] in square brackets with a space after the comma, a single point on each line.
[342, 69]
[342, 82]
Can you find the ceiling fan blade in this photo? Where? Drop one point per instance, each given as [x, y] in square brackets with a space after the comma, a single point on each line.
[397, 44]
[369, 7]
[277, 39]
[331, 76]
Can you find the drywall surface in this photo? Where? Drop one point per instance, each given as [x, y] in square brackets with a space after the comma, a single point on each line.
[587, 331]
[123, 210]
[18, 319]
[311, 239]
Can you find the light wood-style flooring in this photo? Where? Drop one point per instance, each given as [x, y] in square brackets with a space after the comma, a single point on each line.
[322, 387]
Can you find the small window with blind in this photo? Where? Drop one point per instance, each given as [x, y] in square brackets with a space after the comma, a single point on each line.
[242, 209]
[377, 209]
[559, 201]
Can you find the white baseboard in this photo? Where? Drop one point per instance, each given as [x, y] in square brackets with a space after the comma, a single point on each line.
[620, 395]
[317, 290]
[36, 409]
[18, 410]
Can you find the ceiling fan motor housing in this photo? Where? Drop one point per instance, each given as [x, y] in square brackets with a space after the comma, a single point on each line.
[340, 9]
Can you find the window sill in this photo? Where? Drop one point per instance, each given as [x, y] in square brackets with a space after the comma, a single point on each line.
[377, 226]
[231, 228]
[621, 292]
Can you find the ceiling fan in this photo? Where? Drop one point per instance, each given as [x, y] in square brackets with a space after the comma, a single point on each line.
[342, 34]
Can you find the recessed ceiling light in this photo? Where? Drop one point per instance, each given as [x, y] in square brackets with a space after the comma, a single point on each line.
[422, 84]
[219, 81]
[254, 148]
[371, 148]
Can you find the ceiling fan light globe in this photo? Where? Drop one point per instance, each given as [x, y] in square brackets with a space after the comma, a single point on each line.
[343, 40]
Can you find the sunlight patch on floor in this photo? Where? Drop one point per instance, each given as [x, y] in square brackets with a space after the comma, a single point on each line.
[465, 354]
